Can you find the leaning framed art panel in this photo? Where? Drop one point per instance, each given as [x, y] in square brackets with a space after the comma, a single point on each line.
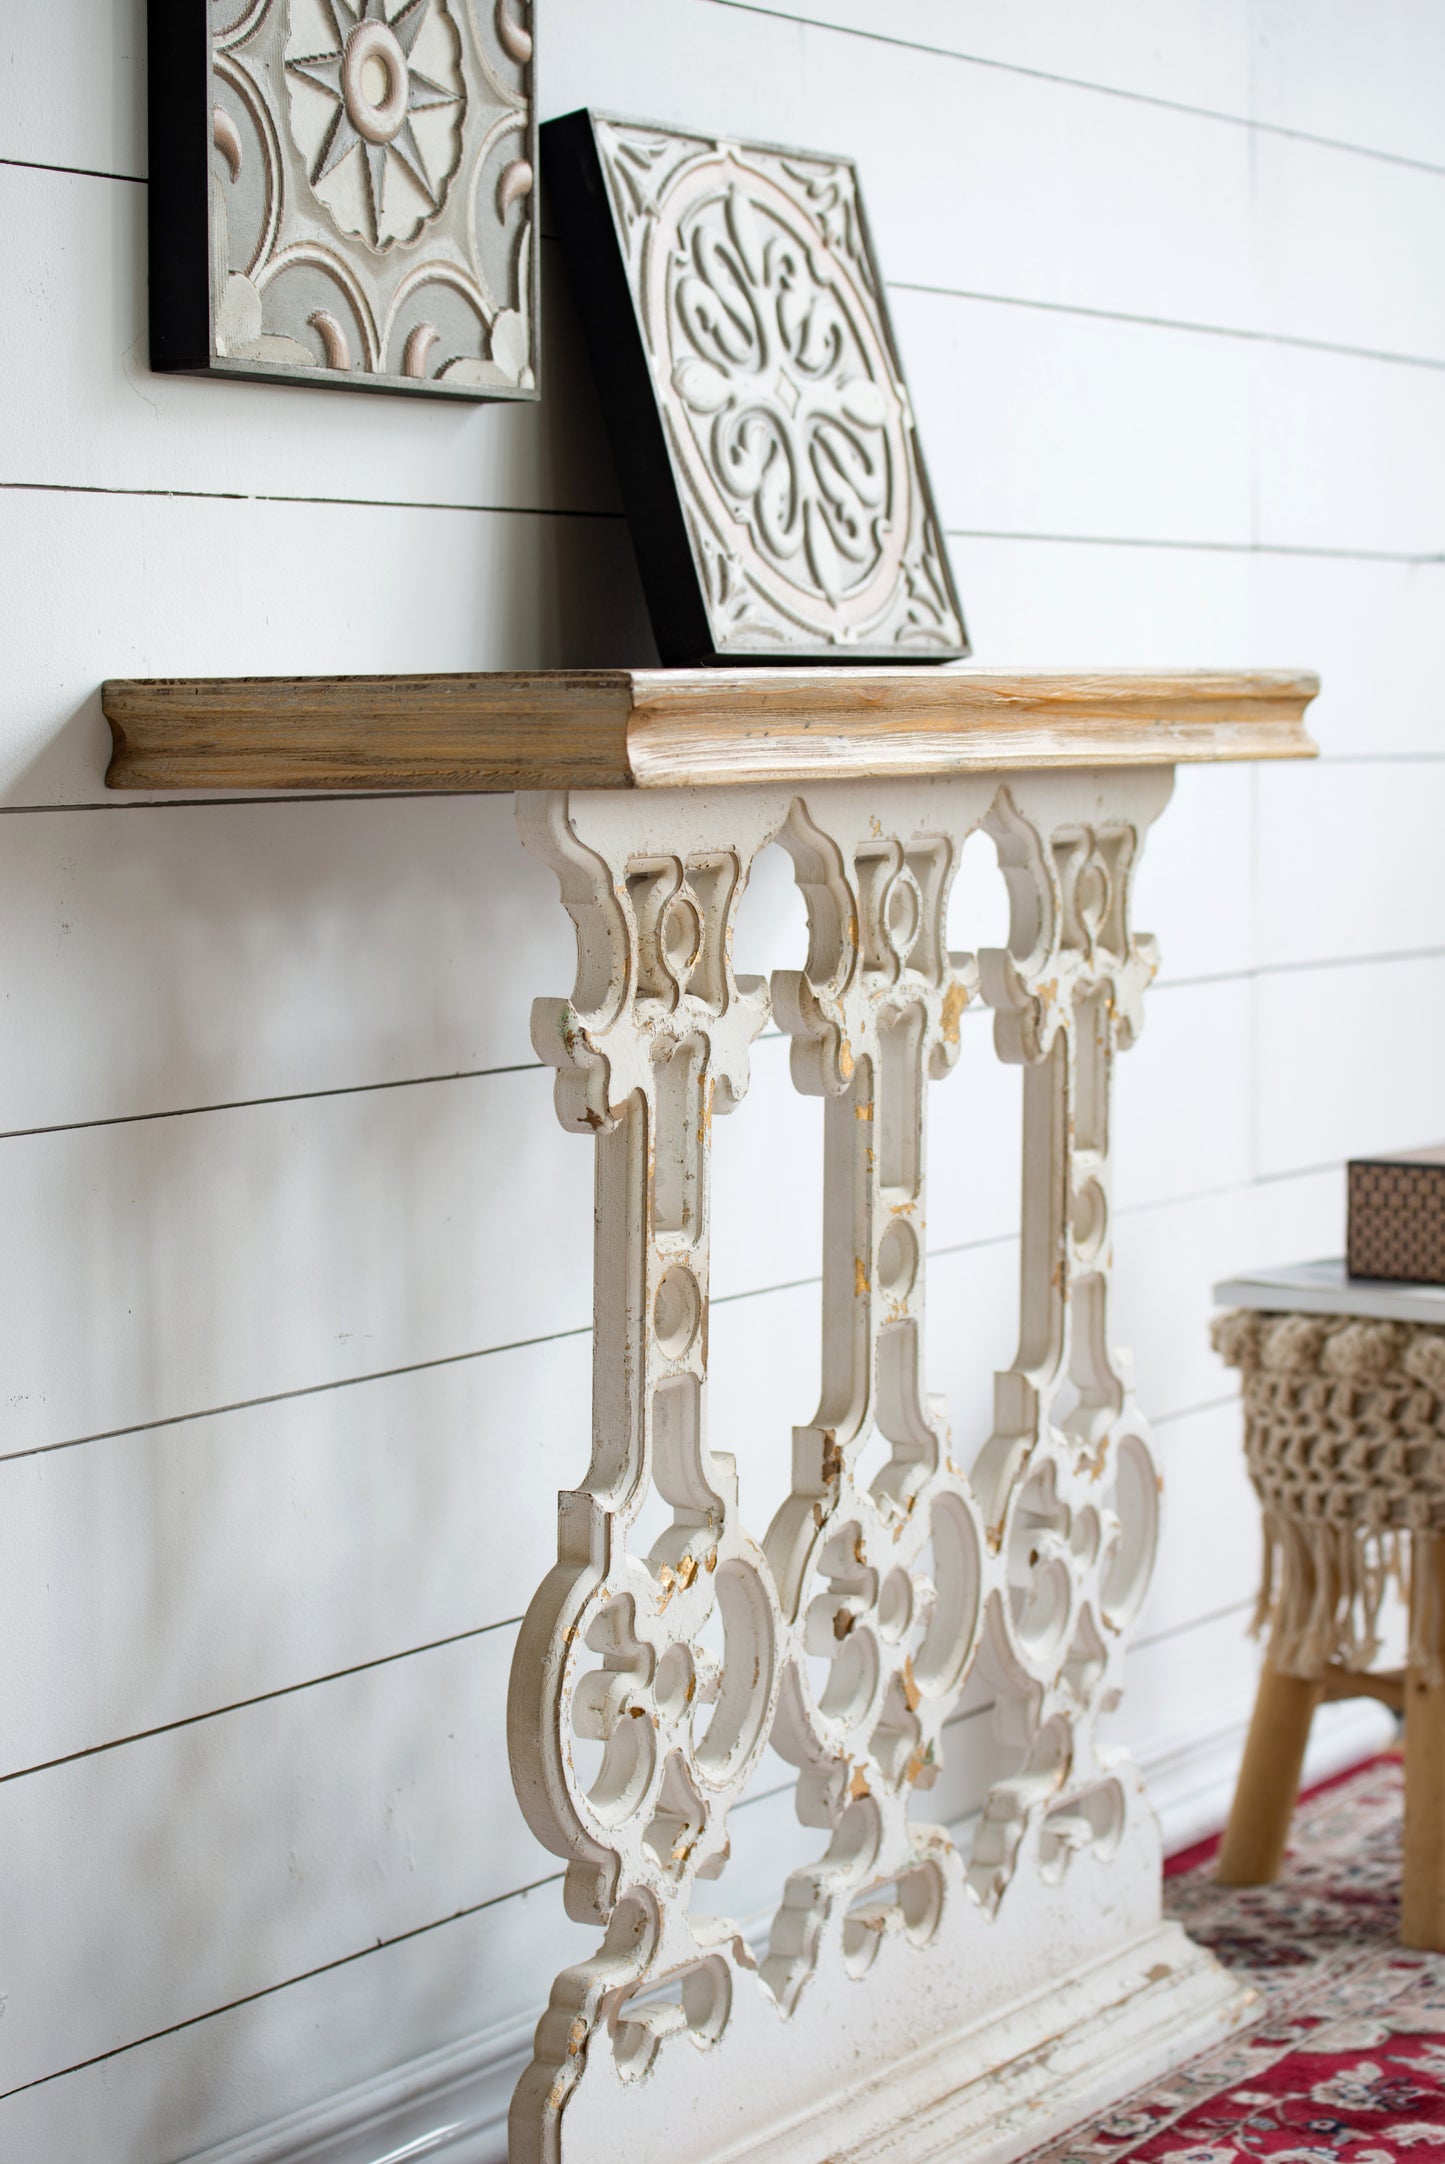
[764, 437]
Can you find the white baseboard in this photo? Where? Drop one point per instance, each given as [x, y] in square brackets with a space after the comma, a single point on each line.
[451, 2106]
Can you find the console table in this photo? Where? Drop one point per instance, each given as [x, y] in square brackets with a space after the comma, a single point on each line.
[916, 1999]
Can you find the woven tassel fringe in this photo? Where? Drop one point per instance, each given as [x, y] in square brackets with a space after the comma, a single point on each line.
[1321, 1591]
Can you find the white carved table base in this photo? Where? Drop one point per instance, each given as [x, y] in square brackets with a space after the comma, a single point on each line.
[912, 2002]
[911, 1998]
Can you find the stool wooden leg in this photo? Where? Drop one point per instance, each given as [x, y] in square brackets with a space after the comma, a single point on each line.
[1254, 1840]
[1422, 1894]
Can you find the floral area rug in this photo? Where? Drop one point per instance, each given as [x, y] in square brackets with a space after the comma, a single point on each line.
[1345, 2062]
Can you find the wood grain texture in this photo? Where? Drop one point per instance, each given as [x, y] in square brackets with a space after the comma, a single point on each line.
[682, 728]
[1422, 1889]
[1269, 1780]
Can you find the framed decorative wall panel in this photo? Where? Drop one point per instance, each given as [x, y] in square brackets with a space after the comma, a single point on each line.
[342, 192]
[762, 428]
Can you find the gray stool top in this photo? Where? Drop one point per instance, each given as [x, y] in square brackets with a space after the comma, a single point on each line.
[1323, 1288]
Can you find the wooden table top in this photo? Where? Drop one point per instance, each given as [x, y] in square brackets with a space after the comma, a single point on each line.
[671, 728]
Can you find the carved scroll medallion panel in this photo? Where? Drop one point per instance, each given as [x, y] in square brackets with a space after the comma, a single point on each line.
[671, 1644]
[342, 192]
[777, 492]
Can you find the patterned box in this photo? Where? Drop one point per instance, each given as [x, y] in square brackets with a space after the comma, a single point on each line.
[1397, 1217]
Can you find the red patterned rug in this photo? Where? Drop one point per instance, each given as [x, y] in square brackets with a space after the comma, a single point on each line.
[1345, 2063]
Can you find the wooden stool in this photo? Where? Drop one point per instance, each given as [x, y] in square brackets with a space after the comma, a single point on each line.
[1344, 1400]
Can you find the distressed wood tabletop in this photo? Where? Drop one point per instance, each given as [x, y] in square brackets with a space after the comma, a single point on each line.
[668, 728]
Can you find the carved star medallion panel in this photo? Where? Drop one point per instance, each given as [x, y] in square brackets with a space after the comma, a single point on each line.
[762, 428]
[342, 192]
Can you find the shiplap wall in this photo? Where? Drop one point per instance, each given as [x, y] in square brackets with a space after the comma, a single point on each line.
[294, 1265]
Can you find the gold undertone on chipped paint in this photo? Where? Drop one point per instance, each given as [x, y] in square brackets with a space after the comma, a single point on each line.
[901, 1972]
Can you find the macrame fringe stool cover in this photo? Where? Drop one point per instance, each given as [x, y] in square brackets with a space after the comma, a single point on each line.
[1344, 1428]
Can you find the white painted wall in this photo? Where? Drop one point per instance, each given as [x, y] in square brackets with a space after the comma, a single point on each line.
[294, 1258]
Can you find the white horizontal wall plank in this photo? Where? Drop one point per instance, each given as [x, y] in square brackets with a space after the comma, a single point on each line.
[1371, 630]
[1349, 860]
[96, 416]
[1373, 76]
[1370, 78]
[763, 1371]
[1168, 1260]
[213, 1860]
[1351, 452]
[1343, 245]
[971, 1334]
[1204, 59]
[1035, 189]
[973, 1194]
[1042, 422]
[175, 1266]
[1223, 1662]
[151, 1578]
[178, 1265]
[303, 2043]
[1374, 1029]
[1193, 889]
[1041, 604]
[148, 586]
[74, 84]
[1183, 1112]
[1059, 425]
[222, 952]
[1373, 80]
[1201, 1461]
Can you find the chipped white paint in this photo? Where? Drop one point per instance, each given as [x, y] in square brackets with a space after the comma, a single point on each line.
[669, 1645]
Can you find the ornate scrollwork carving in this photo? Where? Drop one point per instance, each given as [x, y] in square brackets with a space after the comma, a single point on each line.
[371, 191]
[786, 411]
[653, 1670]
[879, 1569]
[1067, 1481]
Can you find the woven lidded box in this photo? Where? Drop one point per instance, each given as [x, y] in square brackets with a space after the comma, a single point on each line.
[1397, 1217]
